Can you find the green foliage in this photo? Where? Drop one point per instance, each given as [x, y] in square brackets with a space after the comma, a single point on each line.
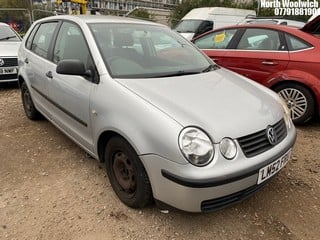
[19, 18]
[15, 4]
[187, 5]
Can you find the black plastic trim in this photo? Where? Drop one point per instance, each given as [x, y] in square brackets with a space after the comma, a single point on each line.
[60, 107]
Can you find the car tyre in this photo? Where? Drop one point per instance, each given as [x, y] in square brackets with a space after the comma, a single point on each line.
[299, 101]
[28, 105]
[126, 173]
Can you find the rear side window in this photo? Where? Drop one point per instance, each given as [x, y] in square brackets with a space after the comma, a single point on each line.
[295, 43]
[216, 40]
[260, 39]
[41, 41]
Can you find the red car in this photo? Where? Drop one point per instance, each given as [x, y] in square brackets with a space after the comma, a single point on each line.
[283, 58]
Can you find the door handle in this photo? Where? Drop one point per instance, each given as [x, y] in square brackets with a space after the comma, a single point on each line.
[26, 60]
[49, 74]
[270, 63]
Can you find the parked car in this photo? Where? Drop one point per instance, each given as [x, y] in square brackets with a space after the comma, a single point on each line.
[266, 20]
[9, 45]
[285, 59]
[168, 123]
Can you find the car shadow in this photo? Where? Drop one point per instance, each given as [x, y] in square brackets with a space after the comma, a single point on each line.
[9, 85]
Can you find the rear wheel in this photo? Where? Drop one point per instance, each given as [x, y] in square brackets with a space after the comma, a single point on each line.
[126, 173]
[28, 105]
[299, 101]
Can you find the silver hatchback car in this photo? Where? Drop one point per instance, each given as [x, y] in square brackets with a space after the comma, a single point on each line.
[170, 125]
[9, 45]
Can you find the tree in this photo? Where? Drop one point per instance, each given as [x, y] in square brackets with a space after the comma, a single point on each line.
[18, 18]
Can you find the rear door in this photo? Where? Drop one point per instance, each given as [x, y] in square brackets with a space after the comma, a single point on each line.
[260, 54]
[36, 62]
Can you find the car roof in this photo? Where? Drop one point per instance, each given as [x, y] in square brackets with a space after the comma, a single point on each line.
[87, 18]
[281, 21]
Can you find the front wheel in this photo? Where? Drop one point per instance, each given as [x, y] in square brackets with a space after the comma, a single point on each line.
[126, 173]
[299, 101]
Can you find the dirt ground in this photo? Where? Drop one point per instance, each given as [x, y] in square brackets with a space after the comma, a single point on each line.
[50, 189]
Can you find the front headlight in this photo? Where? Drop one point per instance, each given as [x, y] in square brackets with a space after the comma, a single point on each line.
[287, 113]
[196, 146]
[228, 148]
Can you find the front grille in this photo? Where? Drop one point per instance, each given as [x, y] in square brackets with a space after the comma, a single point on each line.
[10, 62]
[258, 142]
[218, 203]
[8, 76]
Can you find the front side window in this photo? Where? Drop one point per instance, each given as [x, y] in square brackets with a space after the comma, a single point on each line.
[70, 44]
[216, 40]
[260, 39]
[295, 43]
[42, 39]
[142, 51]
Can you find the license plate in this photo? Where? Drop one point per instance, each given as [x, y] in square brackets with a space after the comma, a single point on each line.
[274, 167]
[8, 70]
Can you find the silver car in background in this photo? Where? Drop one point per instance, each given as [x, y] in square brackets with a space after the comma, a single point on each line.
[9, 45]
[169, 124]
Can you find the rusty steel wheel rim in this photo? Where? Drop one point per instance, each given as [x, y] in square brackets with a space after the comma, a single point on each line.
[124, 172]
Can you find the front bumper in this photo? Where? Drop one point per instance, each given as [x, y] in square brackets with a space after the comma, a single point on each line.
[189, 188]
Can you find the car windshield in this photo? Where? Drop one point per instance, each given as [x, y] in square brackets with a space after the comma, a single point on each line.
[188, 26]
[7, 34]
[146, 51]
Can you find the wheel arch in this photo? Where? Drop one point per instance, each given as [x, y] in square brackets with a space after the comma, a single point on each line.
[20, 80]
[273, 87]
[103, 140]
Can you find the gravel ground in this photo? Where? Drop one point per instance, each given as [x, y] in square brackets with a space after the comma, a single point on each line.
[50, 189]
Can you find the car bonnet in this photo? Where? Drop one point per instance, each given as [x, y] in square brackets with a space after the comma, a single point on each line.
[9, 49]
[222, 103]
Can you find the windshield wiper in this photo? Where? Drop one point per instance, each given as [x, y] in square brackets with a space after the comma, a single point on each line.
[7, 38]
[210, 68]
[179, 73]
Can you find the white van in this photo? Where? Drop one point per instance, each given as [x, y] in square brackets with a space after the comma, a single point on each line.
[201, 20]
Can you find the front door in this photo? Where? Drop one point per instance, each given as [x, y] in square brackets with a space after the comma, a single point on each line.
[70, 94]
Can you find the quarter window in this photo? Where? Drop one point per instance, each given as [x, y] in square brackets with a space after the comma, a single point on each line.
[30, 38]
[41, 42]
[216, 40]
[295, 43]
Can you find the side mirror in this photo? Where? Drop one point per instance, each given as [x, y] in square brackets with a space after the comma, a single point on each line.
[72, 67]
